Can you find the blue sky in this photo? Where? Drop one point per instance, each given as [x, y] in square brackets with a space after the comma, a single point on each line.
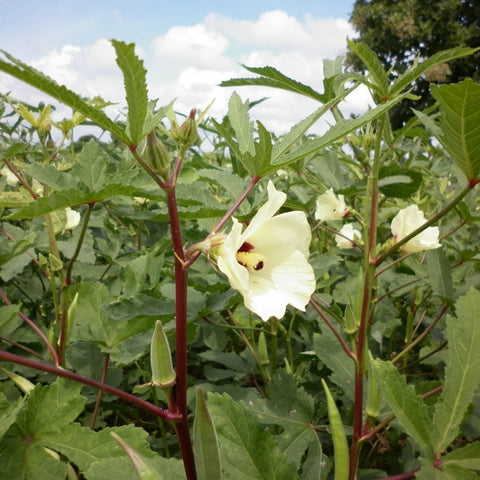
[188, 47]
[31, 28]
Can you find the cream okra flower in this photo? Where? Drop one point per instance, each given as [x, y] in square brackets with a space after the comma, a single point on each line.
[73, 219]
[10, 177]
[330, 207]
[405, 222]
[347, 236]
[267, 263]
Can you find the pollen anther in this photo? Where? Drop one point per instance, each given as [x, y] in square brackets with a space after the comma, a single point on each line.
[253, 262]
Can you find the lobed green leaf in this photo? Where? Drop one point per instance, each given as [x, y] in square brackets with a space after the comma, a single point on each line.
[460, 124]
[240, 121]
[33, 77]
[248, 452]
[374, 67]
[462, 375]
[134, 76]
[271, 77]
[408, 407]
[335, 133]
[405, 80]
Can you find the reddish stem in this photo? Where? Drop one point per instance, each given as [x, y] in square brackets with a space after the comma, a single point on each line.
[98, 400]
[34, 327]
[181, 336]
[60, 372]
[330, 325]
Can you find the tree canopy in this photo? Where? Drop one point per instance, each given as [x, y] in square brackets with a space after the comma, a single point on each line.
[400, 31]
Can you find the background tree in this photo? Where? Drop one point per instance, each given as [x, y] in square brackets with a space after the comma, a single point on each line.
[401, 30]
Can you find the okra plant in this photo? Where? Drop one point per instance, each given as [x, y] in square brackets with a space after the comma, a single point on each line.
[198, 298]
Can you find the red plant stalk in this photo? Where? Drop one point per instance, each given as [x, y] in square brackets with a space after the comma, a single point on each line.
[181, 427]
[60, 372]
[366, 313]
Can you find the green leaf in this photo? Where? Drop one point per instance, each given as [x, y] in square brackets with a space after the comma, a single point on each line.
[45, 413]
[373, 65]
[116, 468]
[143, 468]
[134, 76]
[24, 460]
[50, 408]
[335, 133]
[467, 456]
[326, 347]
[9, 414]
[408, 407]
[224, 178]
[460, 124]
[91, 169]
[404, 80]
[248, 452]
[271, 77]
[240, 121]
[93, 322]
[205, 442]
[440, 273]
[84, 447]
[16, 248]
[93, 178]
[33, 77]
[297, 131]
[397, 182]
[49, 175]
[462, 374]
[13, 199]
[290, 407]
[263, 150]
[154, 118]
[457, 472]
[72, 198]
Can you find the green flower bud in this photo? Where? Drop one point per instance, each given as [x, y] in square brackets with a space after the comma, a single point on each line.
[163, 374]
[185, 135]
[25, 385]
[157, 155]
[372, 407]
[263, 349]
[44, 122]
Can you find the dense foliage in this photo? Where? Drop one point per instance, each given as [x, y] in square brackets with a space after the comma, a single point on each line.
[401, 32]
[125, 351]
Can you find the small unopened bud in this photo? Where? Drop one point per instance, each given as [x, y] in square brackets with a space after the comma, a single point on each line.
[163, 374]
[157, 155]
[44, 123]
[263, 349]
[185, 135]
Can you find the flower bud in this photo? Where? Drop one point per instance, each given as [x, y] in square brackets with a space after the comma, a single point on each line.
[163, 374]
[157, 155]
[185, 135]
[44, 123]
[372, 407]
[263, 349]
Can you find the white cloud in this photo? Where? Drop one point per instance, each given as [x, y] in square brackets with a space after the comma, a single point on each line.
[188, 63]
[88, 71]
[195, 46]
[279, 31]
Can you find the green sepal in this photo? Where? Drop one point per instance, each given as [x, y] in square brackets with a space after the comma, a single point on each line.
[205, 442]
[163, 373]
